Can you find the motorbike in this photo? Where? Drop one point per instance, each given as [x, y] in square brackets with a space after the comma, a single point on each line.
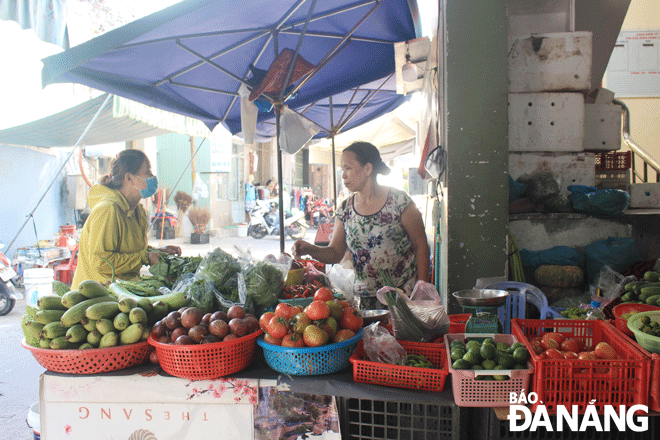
[321, 212]
[8, 279]
[264, 220]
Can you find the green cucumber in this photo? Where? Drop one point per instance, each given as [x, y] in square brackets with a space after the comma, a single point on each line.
[174, 300]
[77, 312]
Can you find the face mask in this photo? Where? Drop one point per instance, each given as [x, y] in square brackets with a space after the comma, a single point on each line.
[152, 186]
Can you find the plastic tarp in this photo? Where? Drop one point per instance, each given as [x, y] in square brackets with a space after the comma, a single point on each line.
[122, 121]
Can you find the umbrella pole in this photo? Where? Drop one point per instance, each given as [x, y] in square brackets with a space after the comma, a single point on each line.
[280, 194]
[334, 172]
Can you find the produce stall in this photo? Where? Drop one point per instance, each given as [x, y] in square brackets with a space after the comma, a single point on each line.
[225, 347]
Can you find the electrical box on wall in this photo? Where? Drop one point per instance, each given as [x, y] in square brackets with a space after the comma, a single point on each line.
[546, 122]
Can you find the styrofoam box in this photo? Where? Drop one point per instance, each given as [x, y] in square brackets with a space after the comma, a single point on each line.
[645, 195]
[546, 122]
[550, 62]
[567, 168]
[602, 127]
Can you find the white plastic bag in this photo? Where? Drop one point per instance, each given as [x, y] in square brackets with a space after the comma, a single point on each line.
[342, 280]
[295, 131]
[611, 283]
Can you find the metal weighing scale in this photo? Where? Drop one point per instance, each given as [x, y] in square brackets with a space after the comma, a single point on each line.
[483, 304]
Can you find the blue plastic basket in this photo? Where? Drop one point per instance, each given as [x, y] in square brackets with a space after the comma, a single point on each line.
[302, 302]
[310, 361]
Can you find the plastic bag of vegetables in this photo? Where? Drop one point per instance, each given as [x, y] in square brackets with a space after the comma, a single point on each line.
[419, 318]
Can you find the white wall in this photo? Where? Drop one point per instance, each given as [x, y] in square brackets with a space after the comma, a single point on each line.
[22, 187]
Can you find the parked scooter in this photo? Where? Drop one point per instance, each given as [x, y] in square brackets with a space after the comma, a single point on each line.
[8, 292]
[321, 212]
[264, 220]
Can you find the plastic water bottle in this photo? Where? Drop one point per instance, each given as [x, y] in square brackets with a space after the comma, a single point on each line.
[594, 312]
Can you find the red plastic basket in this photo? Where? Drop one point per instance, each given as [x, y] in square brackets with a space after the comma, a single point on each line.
[91, 361]
[206, 361]
[654, 374]
[470, 391]
[612, 161]
[401, 376]
[622, 324]
[570, 382]
[457, 322]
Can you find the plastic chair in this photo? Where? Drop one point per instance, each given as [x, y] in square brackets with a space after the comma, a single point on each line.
[64, 272]
[515, 307]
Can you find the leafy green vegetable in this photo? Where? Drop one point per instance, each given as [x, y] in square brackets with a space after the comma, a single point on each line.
[174, 267]
[263, 284]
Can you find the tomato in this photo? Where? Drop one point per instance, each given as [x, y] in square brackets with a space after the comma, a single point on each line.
[324, 294]
[317, 310]
[570, 355]
[293, 340]
[271, 340]
[277, 327]
[284, 310]
[264, 319]
[351, 319]
[553, 353]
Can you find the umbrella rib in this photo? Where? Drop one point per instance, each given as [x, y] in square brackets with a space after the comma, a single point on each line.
[200, 35]
[199, 63]
[337, 36]
[204, 89]
[334, 51]
[297, 51]
[210, 62]
[331, 13]
[363, 103]
[339, 123]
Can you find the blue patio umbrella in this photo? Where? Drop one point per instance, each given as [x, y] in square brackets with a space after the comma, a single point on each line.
[193, 57]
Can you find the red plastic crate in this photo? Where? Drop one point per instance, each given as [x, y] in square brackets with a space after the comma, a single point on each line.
[613, 161]
[469, 391]
[401, 376]
[654, 373]
[457, 322]
[570, 382]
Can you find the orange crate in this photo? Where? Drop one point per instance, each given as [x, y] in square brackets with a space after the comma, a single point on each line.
[570, 382]
[610, 161]
[401, 376]
[471, 391]
[206, 361]
[91, 361]
[457, 322]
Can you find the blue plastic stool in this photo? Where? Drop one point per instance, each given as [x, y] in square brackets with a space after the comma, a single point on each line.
[521, 293]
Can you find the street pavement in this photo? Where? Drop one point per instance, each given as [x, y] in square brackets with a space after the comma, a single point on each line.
[19, 380]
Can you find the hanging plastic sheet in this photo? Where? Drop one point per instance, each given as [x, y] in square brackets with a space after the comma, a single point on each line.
[249, 113]
[295, 131]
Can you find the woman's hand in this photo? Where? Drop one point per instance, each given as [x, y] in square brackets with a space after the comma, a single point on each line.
[299, 248]
[172, 250]
[154, 257]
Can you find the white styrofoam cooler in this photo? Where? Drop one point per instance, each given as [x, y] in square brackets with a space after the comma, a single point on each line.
[645, 195]
[551, 122]
[567, 168]
[550, 62]
[602, 127]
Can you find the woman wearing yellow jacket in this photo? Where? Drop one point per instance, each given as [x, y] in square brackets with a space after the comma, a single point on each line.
[115, 233]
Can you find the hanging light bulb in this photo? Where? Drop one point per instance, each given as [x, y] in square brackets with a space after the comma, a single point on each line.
[409, 70]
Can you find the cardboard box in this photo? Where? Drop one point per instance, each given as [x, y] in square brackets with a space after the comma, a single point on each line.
[550, 62]
[552, 122]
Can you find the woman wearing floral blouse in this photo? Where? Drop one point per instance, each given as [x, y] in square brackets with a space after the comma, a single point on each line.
[380, 226]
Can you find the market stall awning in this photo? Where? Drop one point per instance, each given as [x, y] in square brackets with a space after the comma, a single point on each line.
[122, 121]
